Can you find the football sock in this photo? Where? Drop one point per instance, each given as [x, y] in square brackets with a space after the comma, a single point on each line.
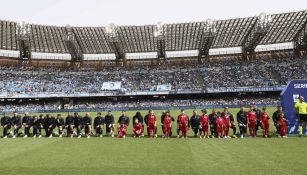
[300, 129]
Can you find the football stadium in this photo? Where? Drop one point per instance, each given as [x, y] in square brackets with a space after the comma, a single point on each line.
[132, 95]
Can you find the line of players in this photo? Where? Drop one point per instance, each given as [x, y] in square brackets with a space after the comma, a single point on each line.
[219, 123]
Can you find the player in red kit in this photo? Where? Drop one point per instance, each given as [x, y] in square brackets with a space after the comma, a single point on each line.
[219, 125]
[252, 121]
[227, 123]
[204, 124]
[183, 121]
[167, 124]
[265, 122]
[152, 123]
[137, 128]
[283, 124]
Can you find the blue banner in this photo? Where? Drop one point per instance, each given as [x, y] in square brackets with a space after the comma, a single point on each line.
[288, 97]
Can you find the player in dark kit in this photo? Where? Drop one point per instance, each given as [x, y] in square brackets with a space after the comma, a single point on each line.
[258, 116]
[252, 121]
[195, 123]
[122, 125]
[41, 121]
[98, 124]
[49, 125]
[265, 122]
[35, 126]
[212, 118]
[109, 120]
[16, 124]
[6, 124]
[204, 124]
[70, 123]
[139, 117]
[59, 122]
[78, 124]
[26, 123]
[87, 123]
[276, 118]
[242, 121]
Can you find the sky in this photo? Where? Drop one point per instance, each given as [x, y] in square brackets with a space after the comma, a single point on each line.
[138, 12]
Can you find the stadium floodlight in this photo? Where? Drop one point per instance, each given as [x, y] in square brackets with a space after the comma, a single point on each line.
[209, 26]
[23, 29]
[111, 30]
[264, 21]
[159, 29]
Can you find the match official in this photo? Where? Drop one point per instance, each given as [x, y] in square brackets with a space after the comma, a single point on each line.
[301, 108]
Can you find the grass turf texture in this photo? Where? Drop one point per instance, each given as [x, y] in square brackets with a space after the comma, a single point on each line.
[153, 156]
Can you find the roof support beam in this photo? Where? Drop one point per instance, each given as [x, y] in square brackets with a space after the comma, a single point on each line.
[74, 48]
[206, 40]
[159, 34]
[300, 40]
[256, 34]
[23, 35]
[116, 45]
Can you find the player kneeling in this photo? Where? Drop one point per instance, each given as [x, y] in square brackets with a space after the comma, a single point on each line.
[204, 124]
[6, 124]
[283, 124]
[98, 124]
[59, 122]
[69, 124]
[137, 128]
[265, 122]
[123, 123]
[167, 124]
[87, 122]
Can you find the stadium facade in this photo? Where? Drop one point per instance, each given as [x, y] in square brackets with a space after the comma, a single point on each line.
[275, 36]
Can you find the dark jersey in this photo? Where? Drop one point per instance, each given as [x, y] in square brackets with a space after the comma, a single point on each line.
[16, 120]
[99, 120]
[36, 122]
[275, 116]
[6, 121]
[78, 121]
[212, 119]
[258, 114]
[109, 119]
[70, 120]
[123, 120]
[195, 121]
[26, 120]
[140, 118]
[87, 120]
[59, 122]
[242, 117]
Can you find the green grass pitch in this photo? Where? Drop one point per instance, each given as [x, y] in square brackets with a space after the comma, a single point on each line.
[153, 156]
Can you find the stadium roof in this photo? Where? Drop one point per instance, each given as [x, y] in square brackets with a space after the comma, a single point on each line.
[182, 36]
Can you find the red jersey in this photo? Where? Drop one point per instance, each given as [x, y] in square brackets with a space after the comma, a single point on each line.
[282, 122]
[151, 119]
[219, 122]
[167, 120]
[204, 120]
[137, 126]
[251, 116]
[183, 120]
[226, 118]
[264, 117]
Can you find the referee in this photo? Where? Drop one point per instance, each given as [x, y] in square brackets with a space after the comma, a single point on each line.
[301, 108]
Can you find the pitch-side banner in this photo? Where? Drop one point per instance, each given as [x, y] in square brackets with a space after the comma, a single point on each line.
[111, 85]
[289, 97]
